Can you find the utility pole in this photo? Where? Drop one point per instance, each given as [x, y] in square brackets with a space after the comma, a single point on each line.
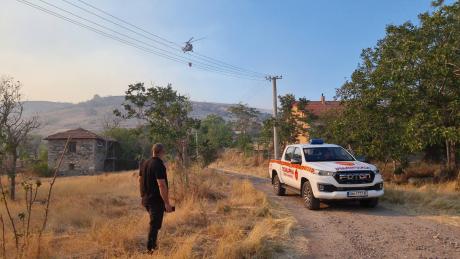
[276, 144]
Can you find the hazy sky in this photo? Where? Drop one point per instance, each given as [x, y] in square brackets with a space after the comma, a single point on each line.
[315, 45]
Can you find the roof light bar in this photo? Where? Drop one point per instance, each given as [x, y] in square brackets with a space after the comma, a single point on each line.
[316, 141]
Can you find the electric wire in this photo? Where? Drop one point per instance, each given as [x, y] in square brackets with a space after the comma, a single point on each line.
[143, 42]
[167, 44]
[126, 42]
[209, 59]
[128, 23]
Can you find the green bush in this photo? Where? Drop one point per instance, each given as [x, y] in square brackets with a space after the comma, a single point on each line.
[41, 169]
[207, 152]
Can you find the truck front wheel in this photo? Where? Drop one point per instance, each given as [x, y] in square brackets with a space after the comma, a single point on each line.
[277, 187]
[309, 199]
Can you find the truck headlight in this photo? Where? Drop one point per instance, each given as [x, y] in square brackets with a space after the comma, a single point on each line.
[325, 173]
[377, 171]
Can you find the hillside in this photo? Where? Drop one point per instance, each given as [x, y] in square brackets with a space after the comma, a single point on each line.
[91, 114]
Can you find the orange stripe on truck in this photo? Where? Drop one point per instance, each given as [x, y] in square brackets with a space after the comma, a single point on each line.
[301, 167]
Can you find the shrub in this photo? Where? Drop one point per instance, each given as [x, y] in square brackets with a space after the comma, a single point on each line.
[41, 169]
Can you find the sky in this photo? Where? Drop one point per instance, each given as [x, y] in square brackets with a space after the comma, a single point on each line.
[314, 45]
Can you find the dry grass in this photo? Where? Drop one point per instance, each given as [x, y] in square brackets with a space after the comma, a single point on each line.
[437, 201]
[238, 162]
[101, 217]
[440, 201]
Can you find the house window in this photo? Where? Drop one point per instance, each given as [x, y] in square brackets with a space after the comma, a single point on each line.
[72, 147]
[71, 166]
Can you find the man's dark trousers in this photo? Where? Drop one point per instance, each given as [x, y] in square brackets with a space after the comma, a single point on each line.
[150, 172]
[156, 211]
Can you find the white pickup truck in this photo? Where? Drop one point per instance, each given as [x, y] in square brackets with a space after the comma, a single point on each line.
[319, 171]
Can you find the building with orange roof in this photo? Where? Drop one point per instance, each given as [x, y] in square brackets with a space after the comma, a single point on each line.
[315, 108]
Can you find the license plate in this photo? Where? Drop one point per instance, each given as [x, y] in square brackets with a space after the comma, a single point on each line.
[357, 194]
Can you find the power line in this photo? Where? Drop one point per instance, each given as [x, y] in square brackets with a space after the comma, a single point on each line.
[226, 74]
[99, 31]
[89, 27]
[214, 70]
[125, 22]
[204, 57]
[223, 68]
[215, 61]
[121, 25]
[145, 43]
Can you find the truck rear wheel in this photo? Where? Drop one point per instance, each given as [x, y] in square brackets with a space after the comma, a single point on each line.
[277, 187]
[369, 203]
[309, 199]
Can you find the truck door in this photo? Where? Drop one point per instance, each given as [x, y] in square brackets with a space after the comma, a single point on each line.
[286, 170]
[296, 155]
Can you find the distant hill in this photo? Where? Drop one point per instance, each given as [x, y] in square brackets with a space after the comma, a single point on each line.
[58, 116]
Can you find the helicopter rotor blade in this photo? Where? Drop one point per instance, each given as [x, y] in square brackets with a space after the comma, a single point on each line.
[202, 38]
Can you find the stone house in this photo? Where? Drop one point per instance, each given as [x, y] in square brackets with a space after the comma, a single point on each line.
[87, 152]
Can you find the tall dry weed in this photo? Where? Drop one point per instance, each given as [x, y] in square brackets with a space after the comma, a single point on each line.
[239, 162]
[101, 217]
[428, 199]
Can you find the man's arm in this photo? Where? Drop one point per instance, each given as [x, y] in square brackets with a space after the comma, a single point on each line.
[164, 194]
[141, 178]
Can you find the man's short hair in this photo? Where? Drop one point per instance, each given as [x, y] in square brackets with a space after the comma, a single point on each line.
[158, 148]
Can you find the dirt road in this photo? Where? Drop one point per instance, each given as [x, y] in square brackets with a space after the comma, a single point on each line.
[349, 231]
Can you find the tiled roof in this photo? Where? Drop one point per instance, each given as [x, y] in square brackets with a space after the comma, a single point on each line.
[76, 134]
[319, 107]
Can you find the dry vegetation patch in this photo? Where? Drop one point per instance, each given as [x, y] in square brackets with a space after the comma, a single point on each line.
[437, 201]
[239, 162]
[101, 216]
[440, 201]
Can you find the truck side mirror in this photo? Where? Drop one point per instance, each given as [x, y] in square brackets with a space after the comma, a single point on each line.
[296, 161]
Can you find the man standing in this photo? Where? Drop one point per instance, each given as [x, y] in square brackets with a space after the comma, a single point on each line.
[154, 192]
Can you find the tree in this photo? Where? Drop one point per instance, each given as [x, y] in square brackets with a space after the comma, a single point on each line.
[14, 127]
[328, 126]
[110, 121]
[246, 123]
[293, 118]
[404, 96]
[30, 147]
[266, 133]
[217, 131]
[437, 120]
[133, 144]
[166, 113]
[207, 152]
[213, 135]
[245, 118]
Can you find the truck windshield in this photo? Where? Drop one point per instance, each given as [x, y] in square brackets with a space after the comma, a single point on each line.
[320, 154]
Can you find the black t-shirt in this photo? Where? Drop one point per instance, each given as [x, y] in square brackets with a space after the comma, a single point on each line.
[150, 171]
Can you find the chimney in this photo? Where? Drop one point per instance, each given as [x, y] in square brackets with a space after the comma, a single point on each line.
[323, 99]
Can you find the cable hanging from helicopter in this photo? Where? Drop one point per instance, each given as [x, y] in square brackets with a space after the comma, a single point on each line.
[188, 47]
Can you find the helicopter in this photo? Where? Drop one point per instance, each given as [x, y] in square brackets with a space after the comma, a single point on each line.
[188, 44]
